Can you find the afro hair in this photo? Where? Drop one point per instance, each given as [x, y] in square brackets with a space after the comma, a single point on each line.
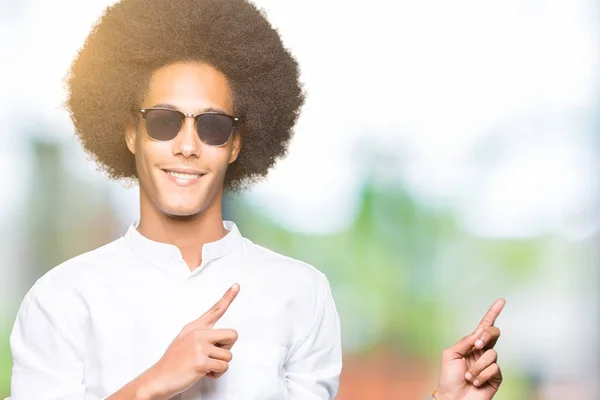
[134, 38]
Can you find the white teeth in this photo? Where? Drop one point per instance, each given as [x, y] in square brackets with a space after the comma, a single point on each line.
[183, 176]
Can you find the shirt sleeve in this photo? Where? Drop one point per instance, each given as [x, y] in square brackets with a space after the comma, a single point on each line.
[48, 347]
[314, 366]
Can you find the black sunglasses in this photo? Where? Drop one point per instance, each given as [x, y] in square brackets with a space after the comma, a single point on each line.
[213, 128]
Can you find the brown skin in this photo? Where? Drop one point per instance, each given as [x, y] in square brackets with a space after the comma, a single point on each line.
[469, 370]
[187, 217]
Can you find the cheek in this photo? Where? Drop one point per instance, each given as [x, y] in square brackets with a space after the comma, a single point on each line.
[148, 156]
[150, 151]
[217, 158]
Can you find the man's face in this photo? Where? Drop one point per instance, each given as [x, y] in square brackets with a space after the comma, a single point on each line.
[191, 88]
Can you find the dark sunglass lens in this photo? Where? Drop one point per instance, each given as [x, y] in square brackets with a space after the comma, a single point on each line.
[163, 124]
[214, 129]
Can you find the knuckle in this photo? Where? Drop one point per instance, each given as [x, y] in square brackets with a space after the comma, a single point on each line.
[475, 369]
[199, 349]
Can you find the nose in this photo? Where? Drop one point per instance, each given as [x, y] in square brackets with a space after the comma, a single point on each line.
[187, 142]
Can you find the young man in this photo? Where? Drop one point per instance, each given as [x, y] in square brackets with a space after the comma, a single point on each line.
[191, 98]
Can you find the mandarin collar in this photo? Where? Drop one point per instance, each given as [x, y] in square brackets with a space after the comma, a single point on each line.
[163, 254]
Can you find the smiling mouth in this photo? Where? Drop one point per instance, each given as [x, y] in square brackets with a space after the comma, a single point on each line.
[182, 175]
[183, 179]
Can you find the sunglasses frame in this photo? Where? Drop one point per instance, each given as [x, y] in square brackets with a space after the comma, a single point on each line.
[234, 121]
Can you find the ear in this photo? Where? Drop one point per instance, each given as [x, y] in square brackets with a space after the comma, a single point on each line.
[130, 135]
[237, 146]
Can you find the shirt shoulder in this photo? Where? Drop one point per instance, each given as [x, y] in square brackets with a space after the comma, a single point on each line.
[86, 267]
[62, 293]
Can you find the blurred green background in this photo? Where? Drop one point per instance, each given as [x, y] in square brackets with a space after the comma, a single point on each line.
[448, 155]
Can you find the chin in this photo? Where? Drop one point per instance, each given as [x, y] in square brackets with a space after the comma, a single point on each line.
[182, 212]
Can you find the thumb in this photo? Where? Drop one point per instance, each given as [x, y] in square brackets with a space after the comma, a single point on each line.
[463, 346]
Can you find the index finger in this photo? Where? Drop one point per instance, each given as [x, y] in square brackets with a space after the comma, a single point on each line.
[490, 317]
[210, 318]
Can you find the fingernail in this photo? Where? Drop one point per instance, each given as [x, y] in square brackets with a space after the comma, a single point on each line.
[479, 343]
[234, 287]
[468, 376]
[476, 382]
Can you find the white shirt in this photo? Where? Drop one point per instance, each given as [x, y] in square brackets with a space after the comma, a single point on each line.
[92, 324]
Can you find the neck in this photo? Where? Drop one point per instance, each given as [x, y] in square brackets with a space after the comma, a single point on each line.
[188, 234]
